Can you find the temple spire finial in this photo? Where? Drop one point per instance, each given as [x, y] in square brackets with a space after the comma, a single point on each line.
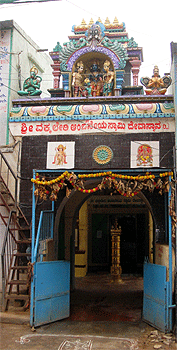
[91, 22]
[99, 20]
[116, 22]
[83, 23]
[107, 21]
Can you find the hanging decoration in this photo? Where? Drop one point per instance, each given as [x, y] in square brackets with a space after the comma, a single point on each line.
[126, 185]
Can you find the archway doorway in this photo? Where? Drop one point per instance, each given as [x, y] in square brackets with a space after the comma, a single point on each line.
[94, 295]
[76, 204]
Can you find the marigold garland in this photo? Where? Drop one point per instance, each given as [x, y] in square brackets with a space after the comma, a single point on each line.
[127, 185]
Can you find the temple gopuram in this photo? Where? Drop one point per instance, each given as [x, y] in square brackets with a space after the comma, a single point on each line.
[99, 153]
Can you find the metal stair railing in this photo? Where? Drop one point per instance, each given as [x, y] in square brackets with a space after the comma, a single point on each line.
[8, 175]
[10, 181]
[44, 232]
[13, 230]
[7, 255]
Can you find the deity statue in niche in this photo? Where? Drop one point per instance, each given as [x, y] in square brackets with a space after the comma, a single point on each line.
[31, 85]
[108, 79]
[96, 79]
[156, 85]
[77, 80]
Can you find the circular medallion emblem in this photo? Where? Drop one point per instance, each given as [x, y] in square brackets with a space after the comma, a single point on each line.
[102, 154]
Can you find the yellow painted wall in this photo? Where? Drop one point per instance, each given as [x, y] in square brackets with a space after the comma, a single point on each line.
[162, 258]
[81, 259]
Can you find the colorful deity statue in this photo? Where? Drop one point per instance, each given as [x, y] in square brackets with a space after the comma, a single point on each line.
[96, 79]
[31, 85]
[86, 92]
[156, 85]
[77, 80]
[108, 79]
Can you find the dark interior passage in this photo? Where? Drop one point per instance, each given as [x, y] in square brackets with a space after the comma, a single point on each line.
[98, 298]
[134, 245]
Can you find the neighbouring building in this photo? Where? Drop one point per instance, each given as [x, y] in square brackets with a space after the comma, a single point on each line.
[100, 152]
[18, 54]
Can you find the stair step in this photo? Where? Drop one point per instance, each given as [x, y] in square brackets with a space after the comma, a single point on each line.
[17, 296]
[22, 254]
[19, 268]
[4, 192]
[18, 282]
[24, 228]
[22, 241]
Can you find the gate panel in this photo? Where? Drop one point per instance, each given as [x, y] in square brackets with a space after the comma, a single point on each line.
[155, 300]
[52, 291]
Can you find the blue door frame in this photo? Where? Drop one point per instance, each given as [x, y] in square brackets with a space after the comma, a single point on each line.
[168, 298]
[157, 298]
[50, 285]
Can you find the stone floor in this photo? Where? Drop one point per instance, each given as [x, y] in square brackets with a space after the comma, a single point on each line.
[99, 298]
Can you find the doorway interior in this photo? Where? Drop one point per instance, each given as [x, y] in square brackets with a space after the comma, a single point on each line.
[97, 297]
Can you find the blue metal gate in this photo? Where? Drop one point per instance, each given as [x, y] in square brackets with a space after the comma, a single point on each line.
[51, 291]
[50, 285]
[156, 297]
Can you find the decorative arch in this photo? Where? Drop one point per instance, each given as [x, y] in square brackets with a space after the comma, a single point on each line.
[103, 50]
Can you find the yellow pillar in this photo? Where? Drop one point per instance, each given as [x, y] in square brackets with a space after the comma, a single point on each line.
[81, 256]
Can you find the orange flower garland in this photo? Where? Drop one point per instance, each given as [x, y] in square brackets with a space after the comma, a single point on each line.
[53, 186]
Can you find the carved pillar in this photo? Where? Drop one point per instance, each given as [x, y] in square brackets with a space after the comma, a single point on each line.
[56, 73]
[116, 269]
[119, 82]
[135, 63]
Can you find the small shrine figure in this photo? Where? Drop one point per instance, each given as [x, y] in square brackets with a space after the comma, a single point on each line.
[96, 79]
[86, 88]
[156, 85]
[31, 85]
[108, 79]
[60, 155]
[77, 81]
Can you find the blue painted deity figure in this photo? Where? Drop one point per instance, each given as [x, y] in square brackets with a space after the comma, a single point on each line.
[31, 85]
[96, 79]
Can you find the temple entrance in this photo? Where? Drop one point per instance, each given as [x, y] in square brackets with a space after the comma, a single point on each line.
[96, 296]
[86, 221]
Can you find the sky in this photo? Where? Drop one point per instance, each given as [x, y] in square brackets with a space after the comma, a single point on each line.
[151, 23]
